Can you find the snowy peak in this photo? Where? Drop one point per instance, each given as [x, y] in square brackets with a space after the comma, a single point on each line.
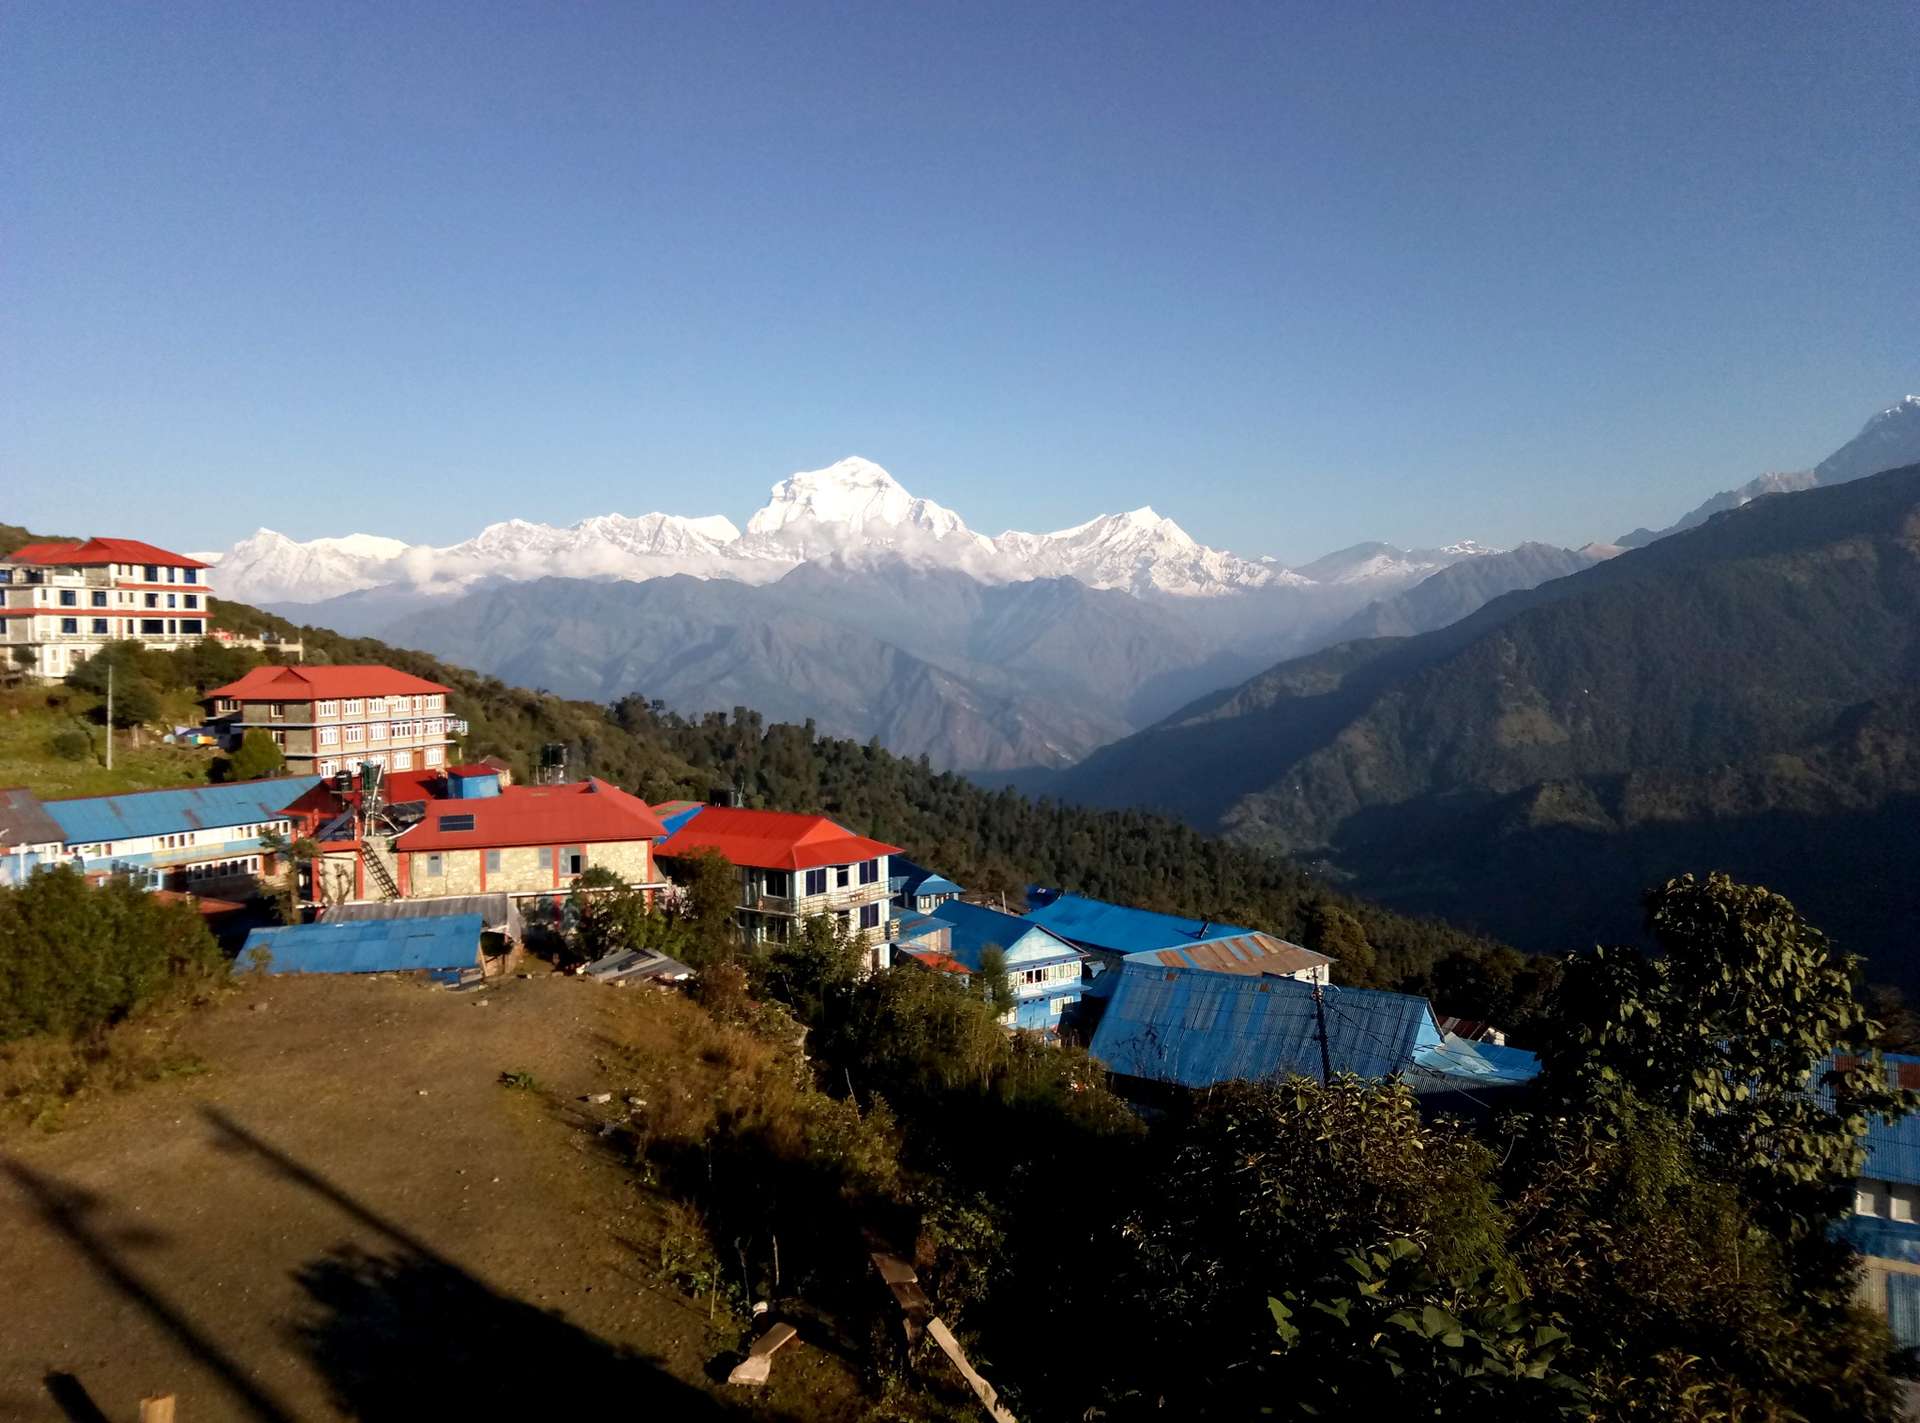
[856, 495]
[1140, 552]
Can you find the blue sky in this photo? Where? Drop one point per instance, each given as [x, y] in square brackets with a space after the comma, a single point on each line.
[1295, 275]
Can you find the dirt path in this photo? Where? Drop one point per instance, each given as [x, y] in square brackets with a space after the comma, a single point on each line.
[348, 1216]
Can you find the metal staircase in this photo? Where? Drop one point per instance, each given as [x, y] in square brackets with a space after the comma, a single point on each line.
[379, 871]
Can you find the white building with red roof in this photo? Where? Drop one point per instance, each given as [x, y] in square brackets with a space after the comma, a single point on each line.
[328, 719]
[791, 867]
[62, 602]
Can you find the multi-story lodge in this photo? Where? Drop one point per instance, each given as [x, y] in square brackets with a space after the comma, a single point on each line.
[792, 867]
[328, 719]
[205, 839]
[61, 602]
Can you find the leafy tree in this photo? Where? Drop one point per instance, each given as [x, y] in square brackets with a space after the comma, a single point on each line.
[605, 915]
[135, 703]
[127, 660]
[301, 856]
[255, 759]
[710, 891]
[991, 984]
[75, 957]
[72, 745]
[1381, 1335]
[1729, 1029]
[1259, 1186]
[1336, 933]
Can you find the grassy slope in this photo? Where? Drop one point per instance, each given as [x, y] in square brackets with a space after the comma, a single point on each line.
[31, 717]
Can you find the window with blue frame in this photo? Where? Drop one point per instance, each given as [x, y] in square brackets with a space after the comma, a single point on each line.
[99, 600]
[99, 624]
[69, 625]
[816, 881]
[69, 598]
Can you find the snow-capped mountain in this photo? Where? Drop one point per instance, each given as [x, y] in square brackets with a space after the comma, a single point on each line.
[1380, 563]
[850, 513]
[1140, 552]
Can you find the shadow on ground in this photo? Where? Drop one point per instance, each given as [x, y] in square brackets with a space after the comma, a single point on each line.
[395, 1332]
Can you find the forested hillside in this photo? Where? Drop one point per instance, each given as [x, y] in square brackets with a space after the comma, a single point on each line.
[1739, 696]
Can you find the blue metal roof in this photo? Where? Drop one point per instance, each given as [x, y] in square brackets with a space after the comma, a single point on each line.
[680, 817]
[918, 926]
[917, 879]
[1195, 1028]
[127, 817]
[1487, 1063]
[451, 941]
[1893, 1151]
[976, 929]
[1121, 929]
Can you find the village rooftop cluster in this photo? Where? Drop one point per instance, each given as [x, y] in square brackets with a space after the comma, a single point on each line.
[431, 864]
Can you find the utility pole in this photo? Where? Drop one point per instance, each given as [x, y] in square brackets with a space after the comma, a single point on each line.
[109, 715]
[1320, 1021]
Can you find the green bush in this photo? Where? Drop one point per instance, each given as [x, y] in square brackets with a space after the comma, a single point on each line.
[72, 745]
[75, 957]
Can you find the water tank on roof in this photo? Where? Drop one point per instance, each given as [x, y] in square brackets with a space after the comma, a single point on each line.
[472, 785]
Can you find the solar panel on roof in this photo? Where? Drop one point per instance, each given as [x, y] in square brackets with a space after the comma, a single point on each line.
[456, 822]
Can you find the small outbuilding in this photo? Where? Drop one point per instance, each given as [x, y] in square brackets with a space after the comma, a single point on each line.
[448, 948]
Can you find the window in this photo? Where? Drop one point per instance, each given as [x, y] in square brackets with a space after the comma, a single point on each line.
[173, 600]
[869, 916]
[1902, 1204]
[434, 756]
[193, 625]
[153, 600]
[493, 862]
[574, 860]
[69, 625]
[433, 867]
[842, 876]
[192, 600]
[191, 575]
[329, 709]
[353, 706]
[100, 625]
[276, 711]
[69, 598]
[329, 736]
[403, 760]
[1057, 1006]
[152, 626]
[1866, 1199]
[98, 600]
[377, 731]
[279, 737]
[816, 881]
[869, 871]
[355, 735]
[778, 883]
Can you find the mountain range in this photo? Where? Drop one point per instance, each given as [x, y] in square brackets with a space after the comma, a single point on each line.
[1740, 695]
[849, 600]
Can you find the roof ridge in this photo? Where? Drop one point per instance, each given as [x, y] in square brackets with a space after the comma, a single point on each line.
[192, 786]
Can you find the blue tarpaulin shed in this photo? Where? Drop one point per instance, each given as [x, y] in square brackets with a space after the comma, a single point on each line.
[1194, 1028]
[95, 819]
[1120, 928]
[444, 946]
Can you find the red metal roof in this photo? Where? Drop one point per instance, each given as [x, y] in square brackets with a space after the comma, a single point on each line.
[97, 551]
[575, 813]
[773, 839]
[472, 768]
[935, 960]
[307, 682]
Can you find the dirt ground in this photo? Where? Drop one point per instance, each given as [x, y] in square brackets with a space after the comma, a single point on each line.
[347, 1215]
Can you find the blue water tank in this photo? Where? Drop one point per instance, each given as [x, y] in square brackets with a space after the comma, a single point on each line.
[472, 785]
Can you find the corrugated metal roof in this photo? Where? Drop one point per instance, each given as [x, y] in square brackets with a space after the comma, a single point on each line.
[771, 839]
[91, 819]
[1893, 1150]
[572, 812]
[914, 926]
[1249, 952]
[371, 945]
[1122, 929]
[1488, 1063]
[1195, 1028]
[310, 681]
[499, 913]
[917, 879]
[977, 928]
[23, 821]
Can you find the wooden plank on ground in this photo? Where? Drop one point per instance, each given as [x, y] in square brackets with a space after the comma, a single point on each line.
[937, 1330]
[757, 1367]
